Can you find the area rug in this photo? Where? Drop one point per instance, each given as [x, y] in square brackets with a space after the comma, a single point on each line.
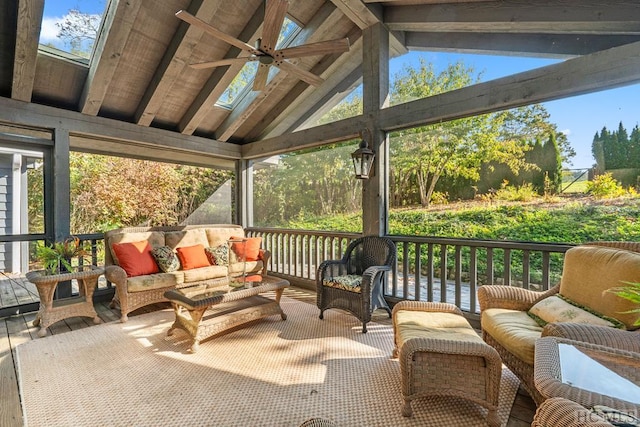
[270, 373]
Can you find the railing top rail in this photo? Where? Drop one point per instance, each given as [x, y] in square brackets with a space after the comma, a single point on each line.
[500, 244]
[304, 232]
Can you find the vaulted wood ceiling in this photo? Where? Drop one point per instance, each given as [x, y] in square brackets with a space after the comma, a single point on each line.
[139, 75]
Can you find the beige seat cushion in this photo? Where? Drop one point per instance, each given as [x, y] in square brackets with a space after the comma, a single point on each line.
[154, 281]
[420, 324]
[204, 273]
[250, 267]
[515, 330]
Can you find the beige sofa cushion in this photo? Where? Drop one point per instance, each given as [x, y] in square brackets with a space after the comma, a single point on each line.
[251, 267]
[155, 239]
[154, 281]
[514, 330]
[217, 236]
[184, 238]
[591, 270]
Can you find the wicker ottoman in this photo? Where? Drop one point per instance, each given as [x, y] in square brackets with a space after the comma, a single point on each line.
[441, 355]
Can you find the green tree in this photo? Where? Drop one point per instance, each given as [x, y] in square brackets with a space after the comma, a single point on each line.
[551, 165]
[456, 148]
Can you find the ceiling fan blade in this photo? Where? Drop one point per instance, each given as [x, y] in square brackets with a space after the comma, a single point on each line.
[320, 48]
[260, 80]
[222, 62]
[274, 13]
[303, 75]
[190, 19]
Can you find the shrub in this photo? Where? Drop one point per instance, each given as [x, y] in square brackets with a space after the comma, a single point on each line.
[605, 187]
[510, 193]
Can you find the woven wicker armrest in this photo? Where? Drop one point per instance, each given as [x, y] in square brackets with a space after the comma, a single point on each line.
[265, 256]
[115, 274]
[595, 334]
[558, 411]
[440, 307]
[510, 297]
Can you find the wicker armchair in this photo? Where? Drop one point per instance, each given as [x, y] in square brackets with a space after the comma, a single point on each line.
[587, 274]
[356, 282]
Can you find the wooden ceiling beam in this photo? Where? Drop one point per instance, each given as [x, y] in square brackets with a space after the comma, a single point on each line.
[329, 65]
[519, 16]
[78, 124]
[322, 21]
[608, 69]
[314, 102]
[114, 33]
[26, 48]
[366, 15]
[308, 138]
[539, 45]
[176, 58]
[220, 79]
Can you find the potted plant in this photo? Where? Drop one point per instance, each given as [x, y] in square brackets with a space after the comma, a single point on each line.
[630, 292]
[56, 258]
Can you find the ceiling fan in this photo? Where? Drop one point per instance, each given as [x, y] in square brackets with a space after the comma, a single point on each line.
[265, 51]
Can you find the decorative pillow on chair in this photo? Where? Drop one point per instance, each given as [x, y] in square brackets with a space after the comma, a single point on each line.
[135, 258]
[192, 257]
[250, 247]
[166, 259]
[218, 255]
[350, 282]
[555, 309]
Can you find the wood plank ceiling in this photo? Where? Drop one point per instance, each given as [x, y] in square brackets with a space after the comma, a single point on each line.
[140, 72]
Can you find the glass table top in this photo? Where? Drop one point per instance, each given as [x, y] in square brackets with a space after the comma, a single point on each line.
[586, 369]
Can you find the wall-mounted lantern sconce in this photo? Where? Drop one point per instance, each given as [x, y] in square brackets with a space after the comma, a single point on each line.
[363, 156]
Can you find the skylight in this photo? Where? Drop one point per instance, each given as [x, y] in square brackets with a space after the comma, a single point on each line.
[241, 84]
[72, 26]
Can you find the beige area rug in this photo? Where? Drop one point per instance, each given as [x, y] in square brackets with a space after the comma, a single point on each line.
[271, 373]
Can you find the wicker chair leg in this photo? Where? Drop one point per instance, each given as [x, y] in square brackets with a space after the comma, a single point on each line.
[406, 408]
[364, 327]
[492, 418]
[321, 314]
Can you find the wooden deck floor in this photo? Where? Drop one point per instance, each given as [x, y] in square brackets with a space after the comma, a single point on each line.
[17, 329]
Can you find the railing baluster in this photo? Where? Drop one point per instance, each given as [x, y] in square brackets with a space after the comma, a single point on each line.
[430, 272]
[525, 269]
[473, 278]
[443, 273]
[507, 267]
[405, 270]
[458, 276]
[490, 266]
[546, 267]
[418, 269]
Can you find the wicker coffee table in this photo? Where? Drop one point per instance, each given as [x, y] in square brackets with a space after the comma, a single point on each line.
[588, 374]
[203, 311]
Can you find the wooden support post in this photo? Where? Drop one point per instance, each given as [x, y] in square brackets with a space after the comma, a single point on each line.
[375, 190]
[61, 200]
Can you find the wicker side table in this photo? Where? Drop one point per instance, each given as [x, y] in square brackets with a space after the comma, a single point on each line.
[52, 311]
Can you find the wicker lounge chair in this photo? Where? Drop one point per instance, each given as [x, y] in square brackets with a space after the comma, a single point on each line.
[589, 270]
[356, 282]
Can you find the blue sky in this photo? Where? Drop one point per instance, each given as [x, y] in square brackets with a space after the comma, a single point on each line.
[578, 117]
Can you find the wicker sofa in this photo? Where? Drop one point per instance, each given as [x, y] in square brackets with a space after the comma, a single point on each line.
[138, 291]
[588, 271]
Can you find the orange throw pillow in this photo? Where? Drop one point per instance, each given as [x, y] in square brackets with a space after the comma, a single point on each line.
[193, 257]
[250, 248]
[135, 258]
